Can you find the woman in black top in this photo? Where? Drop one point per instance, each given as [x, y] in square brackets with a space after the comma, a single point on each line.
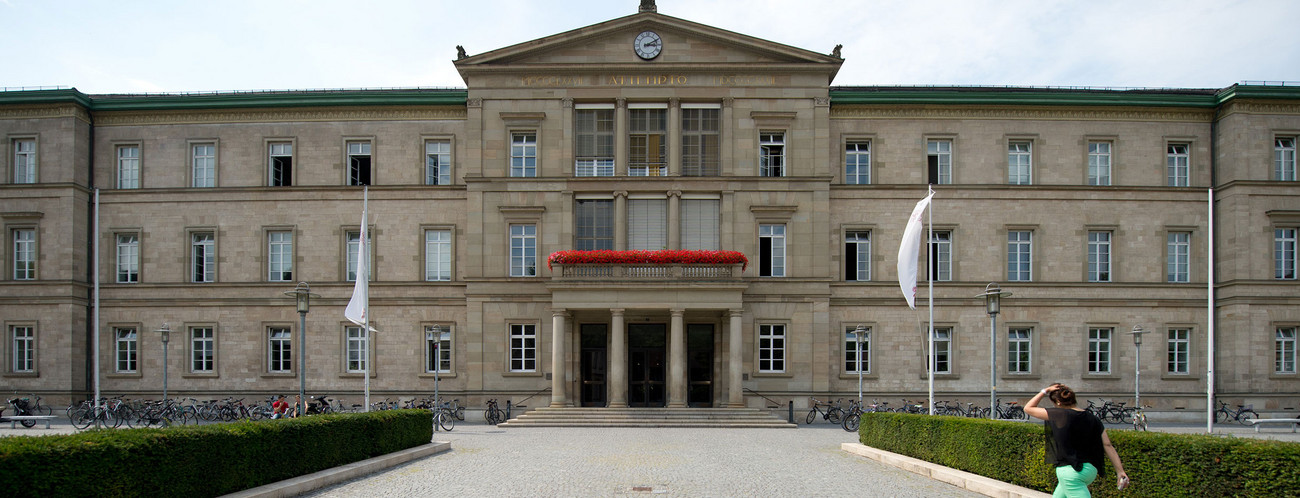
[1076, 442]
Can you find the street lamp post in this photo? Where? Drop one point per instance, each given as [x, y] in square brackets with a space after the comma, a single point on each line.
[302, 294]
[992, 302]
[166, 332]
[858, 334]
[435, 333]
[1137, 365]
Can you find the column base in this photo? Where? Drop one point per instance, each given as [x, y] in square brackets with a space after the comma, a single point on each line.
[558, 404]
[677, 405]
[617, 405]
[736, 405]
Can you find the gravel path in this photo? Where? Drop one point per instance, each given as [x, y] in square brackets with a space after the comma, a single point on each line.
[485, 460]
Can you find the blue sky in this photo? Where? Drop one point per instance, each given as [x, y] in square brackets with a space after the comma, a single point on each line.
[146, 46]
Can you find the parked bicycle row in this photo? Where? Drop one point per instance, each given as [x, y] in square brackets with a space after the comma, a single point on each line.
[118, 411]
[836, 413]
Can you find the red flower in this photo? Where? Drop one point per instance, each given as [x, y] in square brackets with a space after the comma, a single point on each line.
[647, 257]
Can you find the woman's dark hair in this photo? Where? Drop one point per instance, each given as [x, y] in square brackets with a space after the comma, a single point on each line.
[1062, 395]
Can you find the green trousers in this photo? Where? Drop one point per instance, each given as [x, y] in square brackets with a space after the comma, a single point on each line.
[1071, 484]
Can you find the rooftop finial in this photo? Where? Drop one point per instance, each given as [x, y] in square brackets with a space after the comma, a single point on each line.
[648, 6]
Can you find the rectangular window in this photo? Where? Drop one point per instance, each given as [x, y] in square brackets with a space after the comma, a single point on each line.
[1177, 164]
[1020, 250]
[1018, 350]
[939, 161]
[128, 166]
[24, 160]
[203, 159]
[437, 349]
[771, 250]
[857, 359]
[127, 348]
[1019, 163]
[857, 256]
[359, 163]
[700, 141]
[942, 350]
[941, 255]
[647, 141]
[354, 248]
[523, 347]
[647, 224]
[203, 350]
[1179, 345]
[771, 348]
[437, 162]
[1284, 350]
[593, 225]
[1284, 245]
[1178, 257]
[279, 349]
[700, 225]
[1099, 256]
[857, 163]
[1099, 163]
[203, 257]
[1099, 350]
[594, 141]
[358, 349]
[128, 258]
[771, 154]
[1284, 158]
[23, 352]
[24, 254]
[523, 250]
[437, 255]
[280, 257]
[280, 164]
[523, 154]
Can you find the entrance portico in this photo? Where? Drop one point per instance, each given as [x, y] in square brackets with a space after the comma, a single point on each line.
[665, 342]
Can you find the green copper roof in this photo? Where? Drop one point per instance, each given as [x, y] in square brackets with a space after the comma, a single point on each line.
[309, 98]
[1175, 97]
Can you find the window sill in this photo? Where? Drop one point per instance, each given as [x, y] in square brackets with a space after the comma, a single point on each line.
[1283, 376]
[22, 375]
[942, 376]
[1021, 376]
[1187, 376]
[441, 375]
[1100, 376]
[279, 375]
[135, 375]
[356, 375]
[521, 374]
[854, 376]
[200, 375]
[774, 375]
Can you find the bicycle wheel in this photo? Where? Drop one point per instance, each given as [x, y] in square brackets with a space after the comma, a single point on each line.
[1247, 416]
[447, 421]
[851, 422]
[812, 415]
[1126, 415]
[1220, 416]
[460, 413]
[81, 418]
[834, 415]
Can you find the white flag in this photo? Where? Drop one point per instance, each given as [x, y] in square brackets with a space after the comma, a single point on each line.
[357, 307]
[909, 251]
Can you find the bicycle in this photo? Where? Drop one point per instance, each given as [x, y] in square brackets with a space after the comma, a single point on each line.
[833, 412]
[1243, 414]
[493, 414]
[444, 417]
[1140, 419]
[852, 417]
[23, 407]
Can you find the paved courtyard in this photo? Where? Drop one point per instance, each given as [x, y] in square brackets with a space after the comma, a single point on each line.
[485, 460]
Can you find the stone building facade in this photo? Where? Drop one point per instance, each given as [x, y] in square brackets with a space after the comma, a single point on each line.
[648, 132]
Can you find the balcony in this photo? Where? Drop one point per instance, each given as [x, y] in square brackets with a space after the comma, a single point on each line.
[646, 272]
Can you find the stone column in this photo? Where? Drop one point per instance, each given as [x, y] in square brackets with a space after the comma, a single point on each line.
[620, 220]
[735, 360]
[677, 361]
[674, 137]
[559, 395]
[674, 219]
[620, 137]
[617, 386]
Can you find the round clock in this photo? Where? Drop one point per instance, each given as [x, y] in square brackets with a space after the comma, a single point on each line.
[647, 45]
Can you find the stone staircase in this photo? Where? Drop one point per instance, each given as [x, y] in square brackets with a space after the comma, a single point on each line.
[735, 418]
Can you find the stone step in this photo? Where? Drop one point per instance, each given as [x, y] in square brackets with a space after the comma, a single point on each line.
[647, 417]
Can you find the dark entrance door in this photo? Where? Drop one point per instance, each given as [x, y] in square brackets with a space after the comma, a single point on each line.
[699, 365]
[646, 346]
[593, 364]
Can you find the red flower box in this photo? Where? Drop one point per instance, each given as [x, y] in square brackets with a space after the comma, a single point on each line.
[648, 257]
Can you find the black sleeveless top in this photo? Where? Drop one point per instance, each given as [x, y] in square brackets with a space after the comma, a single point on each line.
[1074, 438]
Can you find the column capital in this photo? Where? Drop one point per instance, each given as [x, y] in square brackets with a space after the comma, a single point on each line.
[560, 312]
[674, 102]
[620, 103]
[736, 312]
[620, 193]
[727, 102]
[675, 193]
[677, 312]
[616, 311]
[566, 102]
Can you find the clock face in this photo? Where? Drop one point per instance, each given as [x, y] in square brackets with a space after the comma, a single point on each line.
[647, 45]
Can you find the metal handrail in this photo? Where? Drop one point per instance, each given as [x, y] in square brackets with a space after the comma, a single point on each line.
[775, 404]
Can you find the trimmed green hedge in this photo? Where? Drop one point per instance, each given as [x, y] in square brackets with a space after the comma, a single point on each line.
[1158, 464]
[206, 460]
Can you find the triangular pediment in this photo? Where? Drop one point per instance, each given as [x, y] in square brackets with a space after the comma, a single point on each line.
[609, 45]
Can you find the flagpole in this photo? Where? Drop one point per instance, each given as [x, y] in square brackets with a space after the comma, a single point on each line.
[363, 258]
[929, 248]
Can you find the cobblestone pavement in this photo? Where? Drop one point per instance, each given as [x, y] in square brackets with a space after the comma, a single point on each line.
[485, 460]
